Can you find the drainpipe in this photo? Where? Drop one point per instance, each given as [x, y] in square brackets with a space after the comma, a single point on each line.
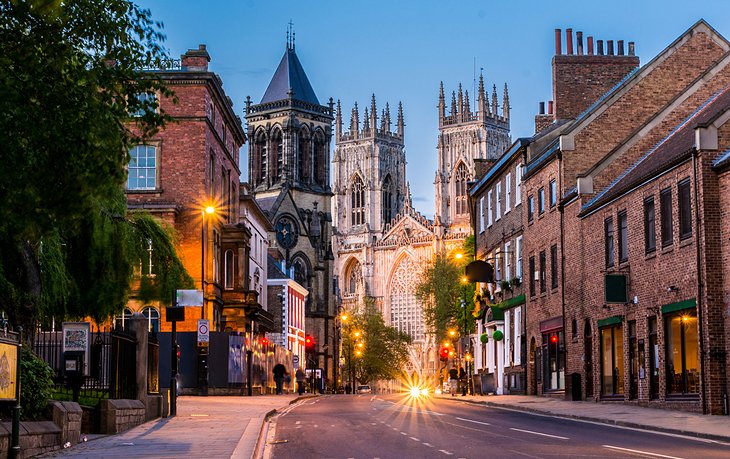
[561, 209]
[700, 288]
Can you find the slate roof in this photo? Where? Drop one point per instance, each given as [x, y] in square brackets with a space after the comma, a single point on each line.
[722, 160]
[290, 75]
[273, 269]
[674, 148]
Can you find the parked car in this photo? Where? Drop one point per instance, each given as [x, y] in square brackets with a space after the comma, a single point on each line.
[364, 389]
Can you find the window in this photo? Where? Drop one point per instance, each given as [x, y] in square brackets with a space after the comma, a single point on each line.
[153, 319]
[553, 193]
[305, 156]
[543, 273]
[530, 208]
[142, 168]
[665, 201]
[260, 153]
[358, 201]
[507, 261]
[633, 361]
[685, 209]
[481, 214]
[532, 276]
[623, 237]
[461, 179]
[211, 175]
[554, 266]
[507, 193]
[497, 266]
[518, 257]
[228, 270]
[653, 359]
[518, 184]
[649, 225]
[553, 360]
[608, 232]
[321, 152]
[612, 360]
[278, 145]
[120, 321]
[498, 203]
[489, 208]
[540, 201]
[147, 103]
[387, 200]
[680, 335]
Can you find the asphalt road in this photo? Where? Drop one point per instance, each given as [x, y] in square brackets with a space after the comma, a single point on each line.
[399, 427]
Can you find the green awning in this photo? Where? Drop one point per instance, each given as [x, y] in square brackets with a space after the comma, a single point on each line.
[678, 306]
[615, 320]
[497, 312]
[512, 302]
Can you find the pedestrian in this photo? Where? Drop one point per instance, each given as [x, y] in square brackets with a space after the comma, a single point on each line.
[453, 381]
[279, 374]
[462, 379]
[301, 380]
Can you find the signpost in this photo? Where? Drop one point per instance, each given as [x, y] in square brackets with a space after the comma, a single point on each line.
[10, 349]
[176, 314]
[296, 362]
[203, 332]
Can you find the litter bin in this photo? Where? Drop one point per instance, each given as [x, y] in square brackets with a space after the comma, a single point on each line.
[575, 389]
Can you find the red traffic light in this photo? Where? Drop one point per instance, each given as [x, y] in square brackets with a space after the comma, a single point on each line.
[554, 339]
[264, 341]
[308, 342]
[444, 353]
[178, 352]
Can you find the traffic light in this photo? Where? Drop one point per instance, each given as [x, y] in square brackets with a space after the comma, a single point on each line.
[264, 341]
[309, 343]
[444, 353]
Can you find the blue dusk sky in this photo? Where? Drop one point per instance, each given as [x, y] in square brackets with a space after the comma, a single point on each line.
[401, 50]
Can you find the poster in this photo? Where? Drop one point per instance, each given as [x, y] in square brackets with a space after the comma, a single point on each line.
[8, 369]
[76, 338]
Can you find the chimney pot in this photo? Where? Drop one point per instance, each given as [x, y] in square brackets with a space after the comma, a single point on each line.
[569, 41]
[610, 47]
[600, 47]
[550, 107]
[558, 44]
[590, 46]
[579, 42]
[620, 47]
[631, 48]
[542, 108]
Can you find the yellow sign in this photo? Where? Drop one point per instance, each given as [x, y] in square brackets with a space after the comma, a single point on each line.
[8, 371]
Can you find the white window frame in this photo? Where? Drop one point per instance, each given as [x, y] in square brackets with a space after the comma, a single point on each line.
[518, 335]
[518, 257]
[518, 185]
[498, 203]
[489, 208]
[507, 193]
[497, 269]
[507, 261]
[481, 214]
[155, 169]
[507, 337]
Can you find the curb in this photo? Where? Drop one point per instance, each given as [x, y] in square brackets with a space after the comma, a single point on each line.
[634, 425]
[258, 451]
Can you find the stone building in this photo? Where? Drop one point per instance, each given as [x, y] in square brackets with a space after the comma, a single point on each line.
[381, 241]
[289, 135]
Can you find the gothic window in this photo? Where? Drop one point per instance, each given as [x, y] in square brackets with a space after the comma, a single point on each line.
[387, 200]
[261, 157]
[320, 159]
[353, 279]
[405, 310]
[277, 145]
[461, 177]
[305, 156]
[301, 271]
[358, 201]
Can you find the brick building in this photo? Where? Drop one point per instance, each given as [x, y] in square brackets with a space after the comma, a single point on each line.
[625, 247]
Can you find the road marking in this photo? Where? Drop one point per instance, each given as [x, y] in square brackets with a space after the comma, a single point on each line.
[539, 433]
[372, 424]
[448, 453]
[298, 422]
[640, 452]
[316, 425]
[198, 415]
[427, 444]
[475, 422]
[403, 433]
[415, 439]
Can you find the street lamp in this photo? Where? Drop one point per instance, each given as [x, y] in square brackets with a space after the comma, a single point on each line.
[467, 359]
[210, 210]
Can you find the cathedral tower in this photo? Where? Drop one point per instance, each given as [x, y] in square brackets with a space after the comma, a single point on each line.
[467, 139]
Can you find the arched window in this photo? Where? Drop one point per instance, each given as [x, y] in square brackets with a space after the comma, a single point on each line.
[228, 270]
[387, 200]
[354, 278]
[277, 145]
[405, 310]
[120, 322]
[261, 157]
[305, 157]
[461, 177]
[320, 159]
[358, 201]
[153, 318]
[301, 272]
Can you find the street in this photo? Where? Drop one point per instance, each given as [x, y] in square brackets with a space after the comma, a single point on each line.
[396, 426]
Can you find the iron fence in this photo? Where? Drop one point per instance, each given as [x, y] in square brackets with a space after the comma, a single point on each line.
[122, 382]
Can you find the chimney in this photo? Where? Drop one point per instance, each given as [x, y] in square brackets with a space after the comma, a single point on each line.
[195, 59]
[590, 46]
[579, 42]
[569, 41]
[550, 107]
[631, 48]
[542, 108]
[558, 44]
[620, 44]
[600, 47]
[610, 47]
[542, 120]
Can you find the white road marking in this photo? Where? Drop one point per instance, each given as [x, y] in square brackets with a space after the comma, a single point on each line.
[640, 452]
[372, 424]
[415, 439]
[316, 425]
[427, 444]
[448, 453]
[298, 422]
[403, 433]
[475, 422]
[539, 433]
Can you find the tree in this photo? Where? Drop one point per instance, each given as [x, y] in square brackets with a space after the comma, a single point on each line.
[70, 74]
[441, 290]
[383, 349]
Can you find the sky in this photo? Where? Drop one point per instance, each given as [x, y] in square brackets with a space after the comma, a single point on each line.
[402, 50]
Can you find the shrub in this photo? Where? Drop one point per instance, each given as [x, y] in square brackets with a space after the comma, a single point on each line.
[36, 385]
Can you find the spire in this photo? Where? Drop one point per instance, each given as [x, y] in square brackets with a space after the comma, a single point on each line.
[290, 80]
[386, 117]
[453, 105]
[373, 114]
[467, 109]
[505, 103]
[442, 104]
[366, 123]
[401, 124]
[408, 204]
[354, 122]
[338, 121]
[494, 100]
[483, 104]
[460, 105]
[383, 127]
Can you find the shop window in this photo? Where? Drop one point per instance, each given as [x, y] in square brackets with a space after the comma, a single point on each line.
[553, 360]
[612, 360]
[633, 361]
[653, 359]
[682, 356]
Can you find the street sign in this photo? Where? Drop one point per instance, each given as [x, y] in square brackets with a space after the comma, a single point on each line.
[296, 362]
[189, 298]
[203, 331]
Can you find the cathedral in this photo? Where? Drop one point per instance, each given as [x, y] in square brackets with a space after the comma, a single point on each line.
[380, 240]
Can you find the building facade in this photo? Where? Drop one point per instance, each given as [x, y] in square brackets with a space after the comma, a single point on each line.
[291, 300]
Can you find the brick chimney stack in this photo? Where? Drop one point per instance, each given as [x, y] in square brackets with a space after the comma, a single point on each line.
[195, 59]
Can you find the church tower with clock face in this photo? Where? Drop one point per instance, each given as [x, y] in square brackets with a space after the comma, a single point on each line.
[289, 134]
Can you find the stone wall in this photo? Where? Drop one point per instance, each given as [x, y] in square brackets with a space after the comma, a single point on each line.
[45, 436]
[121, 415]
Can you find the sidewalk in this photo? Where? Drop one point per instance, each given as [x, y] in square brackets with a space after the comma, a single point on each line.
[675, 422]
[205, 427]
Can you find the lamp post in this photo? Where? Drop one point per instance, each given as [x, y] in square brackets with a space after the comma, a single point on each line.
[210, 210]
[464, 281]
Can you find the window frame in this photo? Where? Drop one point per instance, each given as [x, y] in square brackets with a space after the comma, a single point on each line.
[518, 257]
[684, 203]
[540, 200]
[530, 208]
[489, 208]
[666, 216]
[481, 214]
[518, 185]
[552, 186]
[497, 202]
[649, 225]
[554, 266]
[609, 242]
[623, 236]
[507, 192]
[156, 155]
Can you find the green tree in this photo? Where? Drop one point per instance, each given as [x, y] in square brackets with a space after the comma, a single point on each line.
[441, 289]
[383, 349]
[70, 73]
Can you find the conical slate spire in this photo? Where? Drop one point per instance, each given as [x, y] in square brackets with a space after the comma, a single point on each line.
[290, 80]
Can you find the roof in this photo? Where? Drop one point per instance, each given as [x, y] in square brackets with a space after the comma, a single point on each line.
[674, 148]
[722, 160]
[497, 167]
[273, 270]
[290, 76]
